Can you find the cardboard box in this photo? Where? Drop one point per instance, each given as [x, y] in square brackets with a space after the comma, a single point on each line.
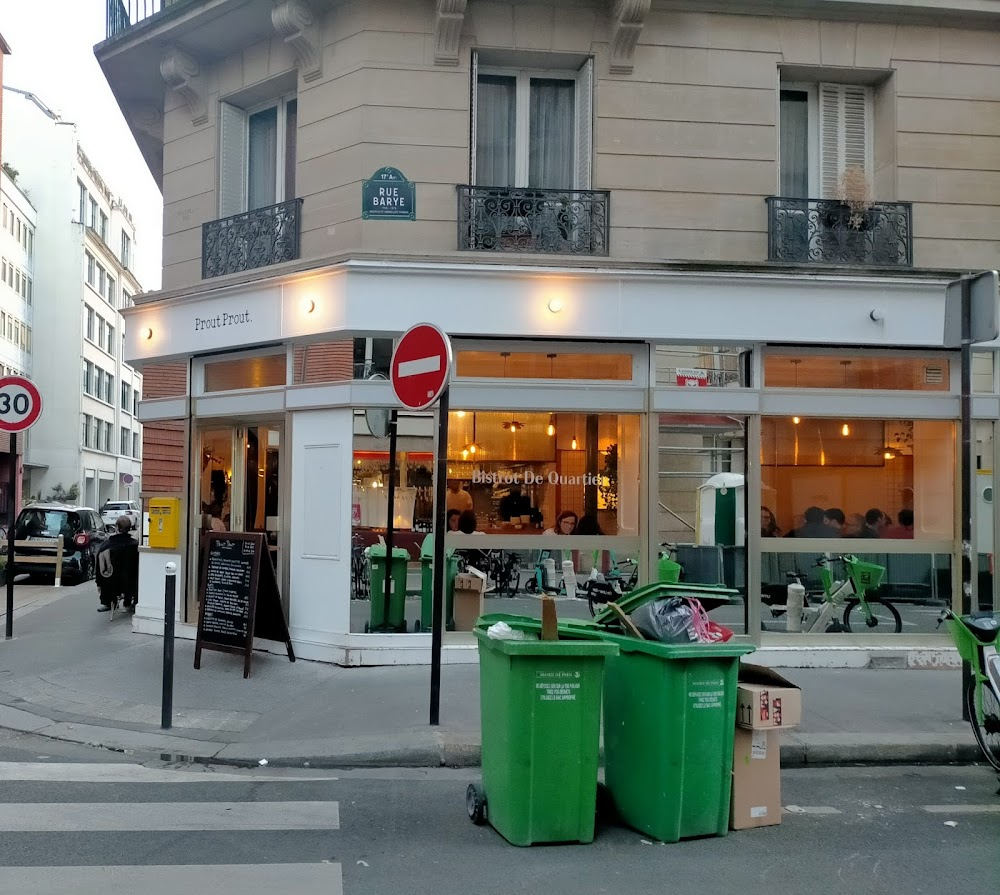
[766, 700]
[756, 799]
[469, 590]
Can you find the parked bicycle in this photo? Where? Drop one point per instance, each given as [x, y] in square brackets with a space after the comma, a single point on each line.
[360, 572]
[976, 637]
[604, 587]
[860, 612]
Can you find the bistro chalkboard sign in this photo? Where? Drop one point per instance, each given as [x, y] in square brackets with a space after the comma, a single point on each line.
[388, 196]
[239, 597]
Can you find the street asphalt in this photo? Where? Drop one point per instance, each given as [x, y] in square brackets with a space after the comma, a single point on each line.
[72, 674]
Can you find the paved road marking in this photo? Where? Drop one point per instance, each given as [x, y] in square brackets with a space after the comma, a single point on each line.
[962, 809]
[809, 809]
[72, 772]
[219, 879]
[65, 817]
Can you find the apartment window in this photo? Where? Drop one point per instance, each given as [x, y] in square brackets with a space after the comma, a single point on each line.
[98, 382]
[109, 388]
[126, 397]
[532, 128]
[257, 155]
[17, 281]
[31, 243]
[24, 286]
[100, 331]
[90, 268]
[109, 437]
[90, 322]
[824, 129]
[10, 328]
[135, 445]
[111, 291]
[126, 299]
[102, 280]
[126, 251]
[125, 442]
[104, 227]
[88, 377]
[135, 402]
[28, 290]
[5, 217]
[83, 200]
[86, 427]
[3, 268]
[17, 333]
[27, 338]
[92, 218]
[111, 340]
[17, 233]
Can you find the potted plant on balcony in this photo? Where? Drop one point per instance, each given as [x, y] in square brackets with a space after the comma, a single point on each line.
[854, 207]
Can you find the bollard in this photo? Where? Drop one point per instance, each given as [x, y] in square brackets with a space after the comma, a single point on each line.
[169, 608]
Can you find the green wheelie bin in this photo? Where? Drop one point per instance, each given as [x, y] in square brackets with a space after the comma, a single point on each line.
[669, 720]
[541, 718]
[396, 620]
[427, 586]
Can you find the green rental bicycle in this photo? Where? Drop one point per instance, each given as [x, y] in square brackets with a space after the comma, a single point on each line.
[860, 612]
[976, 638]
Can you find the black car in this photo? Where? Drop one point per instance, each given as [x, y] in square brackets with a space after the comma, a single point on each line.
[82, 533]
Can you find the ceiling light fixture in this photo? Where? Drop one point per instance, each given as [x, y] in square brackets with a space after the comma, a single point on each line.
[572, 444]
[551, 428]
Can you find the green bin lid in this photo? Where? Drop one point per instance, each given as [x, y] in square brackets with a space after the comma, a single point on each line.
[378, 551]
[427, 549]
[711, 596]
[568, 647]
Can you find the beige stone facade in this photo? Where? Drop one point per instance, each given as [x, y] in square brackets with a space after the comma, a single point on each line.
[687, 142]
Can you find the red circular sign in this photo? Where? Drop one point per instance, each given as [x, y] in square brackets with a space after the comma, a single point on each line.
[20, 404]
[421, 365]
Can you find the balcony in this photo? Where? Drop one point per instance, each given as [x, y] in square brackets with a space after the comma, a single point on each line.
[123, 14]
[828, 231]
[512, 219]
[253, 239]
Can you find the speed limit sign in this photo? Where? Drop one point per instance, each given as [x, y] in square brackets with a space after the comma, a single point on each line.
[20, 404]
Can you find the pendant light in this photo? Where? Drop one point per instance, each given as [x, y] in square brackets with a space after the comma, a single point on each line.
[551, 430]
[472, 447]
[845, 429]
[572, 444]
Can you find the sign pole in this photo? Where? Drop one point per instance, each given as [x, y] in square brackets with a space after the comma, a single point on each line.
[12, 503]
[390, 522]
[967, 460]
[440, 572]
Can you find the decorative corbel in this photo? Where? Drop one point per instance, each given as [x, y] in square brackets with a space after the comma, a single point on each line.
[295, 22]
[179, 69]
[448, 24]
[627, 19]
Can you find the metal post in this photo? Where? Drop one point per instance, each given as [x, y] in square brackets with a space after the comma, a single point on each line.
[169, 608]
[389, 527]
[967, 461]
[12, 503]
[440, 576]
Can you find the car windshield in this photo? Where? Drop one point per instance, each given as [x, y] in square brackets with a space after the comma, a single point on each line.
[116, 506]
[40, 523]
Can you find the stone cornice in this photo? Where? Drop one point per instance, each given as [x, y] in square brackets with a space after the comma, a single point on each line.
[448, 21]
[627, 20]
[179, 70]
[295, 22]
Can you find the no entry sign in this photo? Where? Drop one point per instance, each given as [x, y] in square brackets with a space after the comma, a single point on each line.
[20, 404]
[421, 365]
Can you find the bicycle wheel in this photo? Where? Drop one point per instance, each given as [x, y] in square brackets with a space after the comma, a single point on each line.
[985, 723]
[885, 617]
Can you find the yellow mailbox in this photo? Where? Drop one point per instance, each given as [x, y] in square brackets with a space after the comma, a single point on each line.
[165, 522]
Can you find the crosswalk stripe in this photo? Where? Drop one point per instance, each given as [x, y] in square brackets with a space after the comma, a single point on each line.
[962, 809]
[219, 879]
[64, 817]
[70, 772]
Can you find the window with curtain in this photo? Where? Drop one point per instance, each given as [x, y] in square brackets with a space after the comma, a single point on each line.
[532, 129]
[257, 155]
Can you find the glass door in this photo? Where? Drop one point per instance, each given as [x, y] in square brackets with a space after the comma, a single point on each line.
[236, 487]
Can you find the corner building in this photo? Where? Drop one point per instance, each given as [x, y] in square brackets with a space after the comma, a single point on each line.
[693, 265]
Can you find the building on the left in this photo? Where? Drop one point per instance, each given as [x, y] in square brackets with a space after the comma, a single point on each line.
[70, 279]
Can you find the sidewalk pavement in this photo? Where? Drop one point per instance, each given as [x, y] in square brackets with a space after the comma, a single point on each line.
[71, 674]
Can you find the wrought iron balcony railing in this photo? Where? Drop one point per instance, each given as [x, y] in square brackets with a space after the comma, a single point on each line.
[829, 231]
[514, 219]
[123, 14]
[253, 239]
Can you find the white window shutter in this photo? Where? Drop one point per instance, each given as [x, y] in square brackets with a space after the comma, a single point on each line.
[584, 124]
[475, 114]
[232, 160]
[844, 133]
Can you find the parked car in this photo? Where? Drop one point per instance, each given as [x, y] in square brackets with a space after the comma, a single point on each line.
[80, 528]
[112, 509]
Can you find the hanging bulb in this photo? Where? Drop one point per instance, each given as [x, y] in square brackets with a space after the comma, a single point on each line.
[460, 413]
[845, 430]
[551, 430]
[465, 455]
[796, 420]
[473, 448]
[573, 443]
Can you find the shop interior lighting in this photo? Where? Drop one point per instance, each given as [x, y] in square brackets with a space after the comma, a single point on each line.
[460, 413]
[513, 426]
[472, 447]
[551, 429]
[796, 420]
[845, 430]
[573, 443]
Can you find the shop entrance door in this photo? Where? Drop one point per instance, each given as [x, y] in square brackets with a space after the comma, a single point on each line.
[237, 487]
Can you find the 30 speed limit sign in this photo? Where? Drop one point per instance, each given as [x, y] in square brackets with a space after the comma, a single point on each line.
[20, 404]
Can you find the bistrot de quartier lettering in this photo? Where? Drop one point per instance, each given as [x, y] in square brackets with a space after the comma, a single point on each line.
[533, 478]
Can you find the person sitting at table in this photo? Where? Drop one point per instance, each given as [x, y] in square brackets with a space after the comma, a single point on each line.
[467, 523]
[566, 523]
[453, 519]
[514, 505]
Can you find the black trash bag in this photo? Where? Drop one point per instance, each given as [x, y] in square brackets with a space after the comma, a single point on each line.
[668, 621]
